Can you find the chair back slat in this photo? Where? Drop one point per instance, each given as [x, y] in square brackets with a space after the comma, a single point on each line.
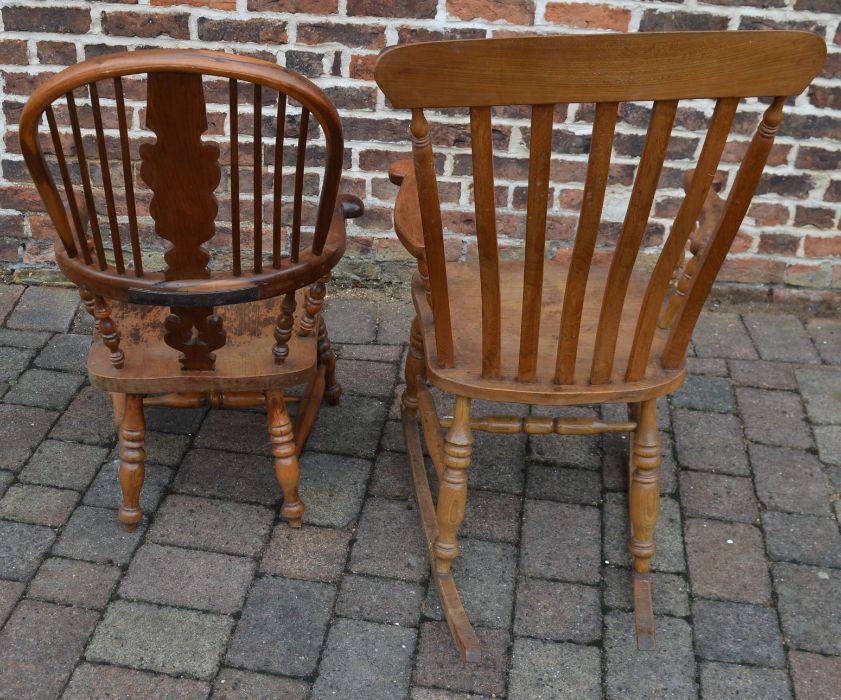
[128, 177]
[595, 184]
[540, 151]
[298, 197]
[485, 207]
[277, 192]
[433, 236]
[633, 229]
[105, 170]
[69, 194]
[258, 178]
[84, 172]
[699, 187]
[713, 254]
[233, 121]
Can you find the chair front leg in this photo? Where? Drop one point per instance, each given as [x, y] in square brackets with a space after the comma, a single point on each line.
[132, 432]
[286, 466]
[452, 491]
[644, 506]
[327, 357]
[415, 368]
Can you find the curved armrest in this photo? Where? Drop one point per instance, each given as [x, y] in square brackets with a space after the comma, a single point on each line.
[352, 206]
[710, 212]
[407, 216]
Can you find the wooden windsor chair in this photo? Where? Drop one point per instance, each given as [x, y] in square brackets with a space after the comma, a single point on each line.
[600, 329]
[217, 325]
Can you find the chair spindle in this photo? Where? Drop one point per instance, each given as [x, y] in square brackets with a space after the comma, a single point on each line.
[128, 178]
[258, 177]
[298, 201]
[280, 134]
[233, 109]
[69, 193]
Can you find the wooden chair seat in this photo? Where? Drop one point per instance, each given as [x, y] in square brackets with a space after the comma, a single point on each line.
[244, 363]
[466, 378]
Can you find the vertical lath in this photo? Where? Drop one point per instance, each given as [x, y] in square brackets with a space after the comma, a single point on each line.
[298, 199]
[277, 192]
[483, 193]
[719, 244]
[433, 236]
[233, 109]
[93, 221]
[699, 187]
[105, 170]
[258, 178]
[128, 178]
[595, 184]
[69, 192]
[540, 152]
[633, 229]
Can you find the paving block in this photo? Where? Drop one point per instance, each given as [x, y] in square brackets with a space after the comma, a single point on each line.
[88, 419]
[22, 547]
[789, 480]
[380, 600]
[668, 535]
[547, 670]
[231, 476]
[670, 592]
[815, 676]
[21, 429]
[64, 464]
[100, 682]
[808, 605]
[38, 505]
[774, 417]
[821, 391]
[710, 442]
[67, 352]
[72, 582]
[718, 496]
[45, 309]
[332, 488]
[726, 681]
[804, 539]
[738, 633]
[233, 684]
[780, 337]
[311, 553]
[45, 388]
[95, 534]
[558, 611]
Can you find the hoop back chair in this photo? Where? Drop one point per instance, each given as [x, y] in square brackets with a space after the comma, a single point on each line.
[600, 329]
[219, 322]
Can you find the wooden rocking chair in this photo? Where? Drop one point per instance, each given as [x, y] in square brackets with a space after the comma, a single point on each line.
[221, 329]
[599, 329]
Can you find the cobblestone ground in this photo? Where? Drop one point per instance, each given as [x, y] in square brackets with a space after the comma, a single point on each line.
[213, 595]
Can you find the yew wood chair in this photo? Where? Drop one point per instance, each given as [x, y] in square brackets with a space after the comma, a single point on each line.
[600, 328]
[216, 319]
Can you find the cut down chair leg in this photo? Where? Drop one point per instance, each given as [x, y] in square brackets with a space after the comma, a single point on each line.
[327, 357]
[285, 457]
[644, 506]
[132, 433]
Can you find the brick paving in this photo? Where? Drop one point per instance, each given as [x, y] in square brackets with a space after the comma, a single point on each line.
[213, 596]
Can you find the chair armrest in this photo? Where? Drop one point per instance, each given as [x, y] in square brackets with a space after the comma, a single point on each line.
[352, 206]
[709, 215]
[407, 216]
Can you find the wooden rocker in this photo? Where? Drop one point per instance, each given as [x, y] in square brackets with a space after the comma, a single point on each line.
[600, 328]
[218, 323]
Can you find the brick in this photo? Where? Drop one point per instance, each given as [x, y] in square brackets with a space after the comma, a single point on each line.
[389, 541]
[738, 633]
[670, 591]
[815, 676]
[439, 664]
[515, 12]
[21, 549]
[667, 534]
[484, 573]
[38, 505]
[654, 21]
[558, 611]
[762, 374]
[282, 627]
[546, 669]
[380, 600]
[415, 9]
[773, 417]
[256, 31]
[778, 243]
[39, 646]
[813, 158]
[789, 480]
[233, 684]
[311, 553]
[310, 7]
[588, 16]
[40, 387]
[727, 561]
[146, 25]
[95, 534]
[722, 335]
[720, 681]
[667, 672]
[780, 337]
[821, 389]
[718, 496]
[219, 526]
[10, 591]
[101, 682]
[766, 214]
[13, 51]
[710, 442]
[350, 35]
[65, 352]
[166, 640]
[561, 541]
[804, 539]
[61, 53]
[44, 309]
[808, 607]
[820, 247]
[212, 4]
[63, 464]
[88, 419]
[70, 20]
[381, 671]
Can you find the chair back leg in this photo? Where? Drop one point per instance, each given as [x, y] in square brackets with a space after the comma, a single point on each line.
[285, 457]
[132, 433]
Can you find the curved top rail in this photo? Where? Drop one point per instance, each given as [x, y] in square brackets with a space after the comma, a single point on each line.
[599, 68]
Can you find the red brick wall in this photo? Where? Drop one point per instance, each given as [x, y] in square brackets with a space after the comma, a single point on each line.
[791, 241]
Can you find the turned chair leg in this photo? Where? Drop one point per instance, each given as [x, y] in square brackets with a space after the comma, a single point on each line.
[452, 491]
[285, 457]
[118, 402]
[644, 507]
[415, 369]
[132, 432]
[327, 357]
